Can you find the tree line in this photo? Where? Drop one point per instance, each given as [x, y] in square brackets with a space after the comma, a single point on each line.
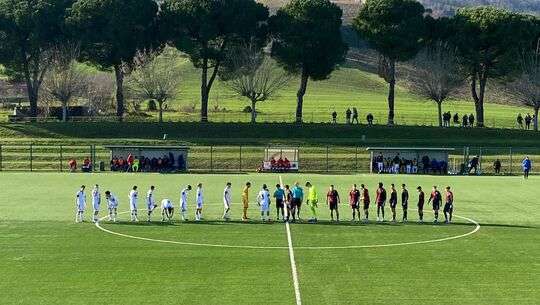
[234, 40]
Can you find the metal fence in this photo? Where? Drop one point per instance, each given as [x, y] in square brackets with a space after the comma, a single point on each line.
[215, 159]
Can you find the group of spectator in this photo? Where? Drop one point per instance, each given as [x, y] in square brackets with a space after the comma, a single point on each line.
[401, 165]
[280, 165]
[467, 120]
[166, 163]
[86, 165]
[351, 117]
[528, 119]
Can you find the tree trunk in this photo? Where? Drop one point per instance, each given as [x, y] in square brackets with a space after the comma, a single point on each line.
[119, 75]
[33, 100]
[391, 91]
[253, 111]
[300, 95]
[535, 122]
[64, 111]
[478, 97]
[439, 110]
[160, 109]
[204, 91]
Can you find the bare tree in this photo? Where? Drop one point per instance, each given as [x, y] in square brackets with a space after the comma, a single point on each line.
[155, 78]
[526, 87]
[64, 81]
[254, 76]
[99, 93]
[435, 74]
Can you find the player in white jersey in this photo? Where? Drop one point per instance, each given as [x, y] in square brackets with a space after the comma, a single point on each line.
[112, 205]
[80, 204]
[227, 197]
[183, 202]
[200, 202]
[167, 210]
[133, 197]
[96, 202]
[150, 202]
[263, 199]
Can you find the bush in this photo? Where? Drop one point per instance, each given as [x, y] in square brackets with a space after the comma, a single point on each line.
[247, 109]
[152, 105]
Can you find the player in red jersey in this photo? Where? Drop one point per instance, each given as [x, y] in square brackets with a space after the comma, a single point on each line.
[393, 201]
[421, 200]
[365, 200]
[449, 205]
[381, 200]
[435, 199]
[354, 201]
[332, 200]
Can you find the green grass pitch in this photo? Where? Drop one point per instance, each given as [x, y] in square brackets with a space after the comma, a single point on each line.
[48, 259]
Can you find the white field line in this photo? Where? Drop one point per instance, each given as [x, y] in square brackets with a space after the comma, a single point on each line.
[294, 271]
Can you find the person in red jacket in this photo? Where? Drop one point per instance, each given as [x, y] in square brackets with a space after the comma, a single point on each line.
[381, 201]
[130, 160]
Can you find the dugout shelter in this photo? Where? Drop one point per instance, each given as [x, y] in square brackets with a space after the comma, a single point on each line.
[178, 153]
[280, 159]
[416, 154]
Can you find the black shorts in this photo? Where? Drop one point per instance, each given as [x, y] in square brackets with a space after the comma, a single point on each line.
[404, 205]
[393, 205]
[333, 205]
[420, 206]
[355, 205]
[436, 206]
[448, 207]
[366, 205]
[279, 203]
[295, 202]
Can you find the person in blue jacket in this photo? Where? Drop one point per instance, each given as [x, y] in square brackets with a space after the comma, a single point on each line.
[527, 166]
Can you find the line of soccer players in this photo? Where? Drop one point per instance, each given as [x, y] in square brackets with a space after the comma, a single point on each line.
[288, 200]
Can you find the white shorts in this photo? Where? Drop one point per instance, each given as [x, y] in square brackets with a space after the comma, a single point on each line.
[226, 205]
[265, 207]
[151, 207]
[113, 206]
[199, 205]
[133, 207]
[81, 207]
[96, 207]
[183, 207]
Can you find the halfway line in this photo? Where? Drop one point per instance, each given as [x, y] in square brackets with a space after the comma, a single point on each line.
[293, 262]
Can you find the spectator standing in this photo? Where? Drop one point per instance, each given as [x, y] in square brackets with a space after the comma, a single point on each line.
[369, 119]
[471, 120]
[334, 117]
[475, 161]
[348, 114]
[425, 164]
[355, 116]
[527, 166]
[456, 119]
[465, 120]
[497, 166]
[528, 120]
[519, 121]
[130, 160]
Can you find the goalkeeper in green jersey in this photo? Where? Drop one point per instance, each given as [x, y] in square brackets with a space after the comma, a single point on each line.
[312, 200]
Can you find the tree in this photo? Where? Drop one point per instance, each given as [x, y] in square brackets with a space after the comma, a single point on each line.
[65, 80]
[156, 78]
[436, 74]
[207, 29]
[111, 33]
[394, 28]
[488, 40]
[28, 31]
[99, 93]
[526, 87]
[254, 76]
[307, 41]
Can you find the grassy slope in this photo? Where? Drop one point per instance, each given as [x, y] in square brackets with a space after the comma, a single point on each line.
[63, 263]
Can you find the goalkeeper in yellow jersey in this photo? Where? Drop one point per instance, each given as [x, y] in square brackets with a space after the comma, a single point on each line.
[312, 200]
[245, 201]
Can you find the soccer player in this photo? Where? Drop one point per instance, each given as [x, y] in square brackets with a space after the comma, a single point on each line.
[298, 196]
[332, 200]
[150, 202]
[393, 201]
[404, 201]
[112, 205]
[133, 197]
[435, 199]
[227, 201]
[365, 200]
[80, 204]
[183, 202]
[421, 200]
[354, 201]
[167, 210]
[263, 200]
[96, 202]
[312, 201]
[381, 201]
[288, 202]
[200, 202]
[245, 201]
[279, 194]
[449, 205]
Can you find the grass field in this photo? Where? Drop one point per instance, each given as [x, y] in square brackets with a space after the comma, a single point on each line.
[48, 259]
